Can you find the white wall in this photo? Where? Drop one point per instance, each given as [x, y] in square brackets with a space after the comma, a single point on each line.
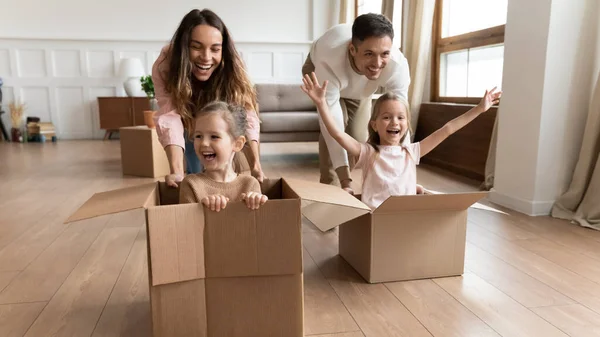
[567, 89]
[548, 71]
[525, 42]
[143, 20]
[60, 66]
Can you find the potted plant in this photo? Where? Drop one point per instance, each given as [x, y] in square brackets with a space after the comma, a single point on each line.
[148, 87]
[16, 116]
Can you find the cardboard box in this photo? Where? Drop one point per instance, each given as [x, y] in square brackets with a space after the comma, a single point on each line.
[237, 272]
[405, 238]
[142, 154]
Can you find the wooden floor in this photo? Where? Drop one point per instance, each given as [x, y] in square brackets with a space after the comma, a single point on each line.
[524, 276]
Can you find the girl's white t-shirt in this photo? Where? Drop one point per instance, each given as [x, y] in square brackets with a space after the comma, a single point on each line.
[391, 172]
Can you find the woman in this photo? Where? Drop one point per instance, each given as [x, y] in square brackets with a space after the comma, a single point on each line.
[200, 65]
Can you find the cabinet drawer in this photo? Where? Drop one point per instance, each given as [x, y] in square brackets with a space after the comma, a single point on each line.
[115, 112]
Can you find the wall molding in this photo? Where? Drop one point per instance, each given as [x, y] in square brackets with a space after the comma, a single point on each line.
[529, 207]
[60, 79]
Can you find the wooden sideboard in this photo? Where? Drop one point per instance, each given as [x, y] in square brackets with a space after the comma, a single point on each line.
[117, 112]
[465, 152]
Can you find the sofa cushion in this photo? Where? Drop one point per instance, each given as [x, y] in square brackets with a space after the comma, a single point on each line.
[280, 137]
[282, 97]
[289, 121]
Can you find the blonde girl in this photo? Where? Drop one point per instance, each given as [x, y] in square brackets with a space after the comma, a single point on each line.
[389, 166]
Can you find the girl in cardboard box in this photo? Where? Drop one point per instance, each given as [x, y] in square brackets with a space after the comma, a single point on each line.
[389, 166]
[218, 136]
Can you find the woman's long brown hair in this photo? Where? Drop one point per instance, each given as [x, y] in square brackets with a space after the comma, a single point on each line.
[229, 82]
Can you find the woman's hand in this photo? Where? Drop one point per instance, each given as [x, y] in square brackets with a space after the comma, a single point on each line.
[175, 157]
[173, 179]
[215, 202]
[254, 200]
[258, 173]
[254, 161]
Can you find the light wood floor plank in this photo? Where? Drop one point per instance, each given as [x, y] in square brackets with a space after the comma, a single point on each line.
[77, 305]
[563, 280]
[15, 319]
[576, 320]
[23, 250]
[525, 289]
[549, 222]
[343, 334]
[44, 276]
[560, 232]
[324, 311]
[495, 308]
[439, 312]
[503, 225]
[575, 262]
[376, 310]
[19, 253]
[127, 312]
[6, 277]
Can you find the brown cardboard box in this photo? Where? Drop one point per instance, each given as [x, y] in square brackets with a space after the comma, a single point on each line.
[405, 238]
[237, 272]
[142, 154]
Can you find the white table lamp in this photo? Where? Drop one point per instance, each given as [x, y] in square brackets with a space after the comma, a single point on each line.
[130, 71]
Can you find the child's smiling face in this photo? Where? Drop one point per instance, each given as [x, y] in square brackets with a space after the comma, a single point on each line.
[391, 123]
[213, 143]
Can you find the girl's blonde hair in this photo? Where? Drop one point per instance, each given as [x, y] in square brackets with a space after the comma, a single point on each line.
[374, 139]
[234, 115]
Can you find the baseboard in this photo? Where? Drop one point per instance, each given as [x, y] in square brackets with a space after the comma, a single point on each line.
[531, 208]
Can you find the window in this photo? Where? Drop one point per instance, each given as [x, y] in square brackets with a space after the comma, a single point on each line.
[368, 6]
[468, 53]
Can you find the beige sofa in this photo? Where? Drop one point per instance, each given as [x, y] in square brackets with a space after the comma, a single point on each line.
[286, 114]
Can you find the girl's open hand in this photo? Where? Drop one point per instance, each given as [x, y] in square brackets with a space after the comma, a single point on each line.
[490, 98]
[313, 89]
[254, 200]
[215, 202]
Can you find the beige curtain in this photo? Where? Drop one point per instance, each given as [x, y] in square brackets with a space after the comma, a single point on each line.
[345, 13]
[392, 9]
[581, 202]
[387, 9]
[417, 45]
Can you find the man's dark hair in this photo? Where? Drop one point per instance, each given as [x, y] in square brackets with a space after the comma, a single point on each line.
[371, 25]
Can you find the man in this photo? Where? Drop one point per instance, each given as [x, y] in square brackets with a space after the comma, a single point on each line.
[356, 59]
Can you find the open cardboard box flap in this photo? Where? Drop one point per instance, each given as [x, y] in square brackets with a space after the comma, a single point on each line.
[326, 194]
[328, 206]
[429, 202]
[115, 201]
[325, 218]
[331, 198]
